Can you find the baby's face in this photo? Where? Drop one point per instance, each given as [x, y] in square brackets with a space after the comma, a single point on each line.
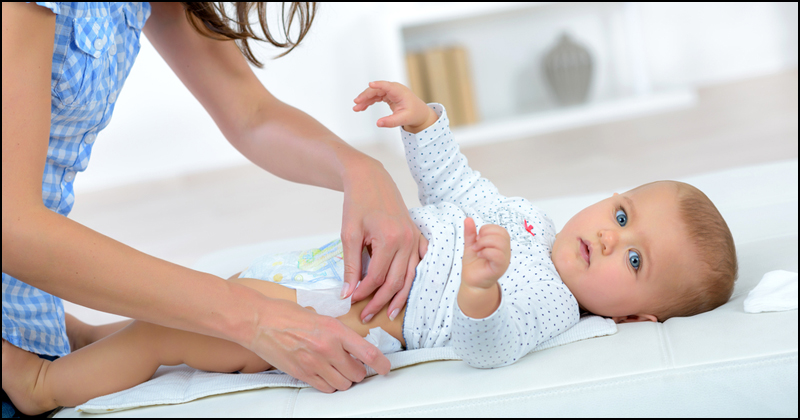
[619, 256]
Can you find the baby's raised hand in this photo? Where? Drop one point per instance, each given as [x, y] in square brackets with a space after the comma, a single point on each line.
[407, 109]
[486, 256]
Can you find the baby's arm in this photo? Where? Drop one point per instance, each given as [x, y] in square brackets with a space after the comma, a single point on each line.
[440, 170]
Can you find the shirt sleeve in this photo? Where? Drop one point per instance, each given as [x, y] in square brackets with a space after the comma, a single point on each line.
[441, 172]
[55, 7]
[526, 317]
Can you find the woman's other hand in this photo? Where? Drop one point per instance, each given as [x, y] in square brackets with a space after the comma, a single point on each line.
[313, 348]
[376, 215]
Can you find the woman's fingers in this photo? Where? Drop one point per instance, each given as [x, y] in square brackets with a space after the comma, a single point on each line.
[352, 244]
[367, 353]
[399, 300]
[394, 283]
[317, 349]
[379, 266]
[344, 369]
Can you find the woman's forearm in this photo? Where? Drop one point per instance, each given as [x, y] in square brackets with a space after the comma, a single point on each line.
[293, 145]
[69, 260]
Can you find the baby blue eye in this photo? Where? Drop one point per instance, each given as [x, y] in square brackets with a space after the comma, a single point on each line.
[622, 218]
[633, 257]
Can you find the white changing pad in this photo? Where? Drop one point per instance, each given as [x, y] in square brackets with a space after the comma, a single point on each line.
[723, 363]
[179, 384]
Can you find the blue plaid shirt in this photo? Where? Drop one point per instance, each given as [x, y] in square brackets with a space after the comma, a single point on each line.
[95, 47]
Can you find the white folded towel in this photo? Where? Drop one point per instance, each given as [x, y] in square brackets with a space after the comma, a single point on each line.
[179, 384]
[777, 291]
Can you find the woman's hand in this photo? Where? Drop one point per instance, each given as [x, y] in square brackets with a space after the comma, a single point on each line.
[318, 350]
[407, 109]
[376, 215]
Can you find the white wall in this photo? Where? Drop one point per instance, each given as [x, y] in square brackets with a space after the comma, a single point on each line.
[159, 130]
[710, 43]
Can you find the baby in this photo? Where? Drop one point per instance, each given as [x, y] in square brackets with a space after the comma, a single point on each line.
[495, 281]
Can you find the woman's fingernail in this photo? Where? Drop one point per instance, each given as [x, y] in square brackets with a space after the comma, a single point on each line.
[366, 319]
[393, 315]
[345, 288]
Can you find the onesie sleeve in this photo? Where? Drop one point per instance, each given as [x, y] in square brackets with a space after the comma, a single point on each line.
[442, 173]
[525, 318]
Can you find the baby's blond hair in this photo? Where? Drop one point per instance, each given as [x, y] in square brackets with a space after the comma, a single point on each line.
[713, 244]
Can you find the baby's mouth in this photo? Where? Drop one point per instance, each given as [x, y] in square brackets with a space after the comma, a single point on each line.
[585, 251]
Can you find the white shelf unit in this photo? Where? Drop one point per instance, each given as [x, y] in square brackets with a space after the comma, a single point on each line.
[506, 42]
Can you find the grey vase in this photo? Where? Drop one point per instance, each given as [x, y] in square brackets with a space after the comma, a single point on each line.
[568, 70]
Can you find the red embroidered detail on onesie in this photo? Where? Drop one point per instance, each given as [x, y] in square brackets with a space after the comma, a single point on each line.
[528, 227]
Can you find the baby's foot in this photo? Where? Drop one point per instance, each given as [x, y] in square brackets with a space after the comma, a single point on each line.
[21, 372]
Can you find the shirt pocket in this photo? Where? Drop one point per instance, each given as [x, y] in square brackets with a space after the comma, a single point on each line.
[86, 68]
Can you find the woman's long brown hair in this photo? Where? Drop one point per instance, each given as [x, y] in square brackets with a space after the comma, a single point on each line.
[211, 20]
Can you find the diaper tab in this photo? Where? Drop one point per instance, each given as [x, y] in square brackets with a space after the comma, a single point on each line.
[324, 301]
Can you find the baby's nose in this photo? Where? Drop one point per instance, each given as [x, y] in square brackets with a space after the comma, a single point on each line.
[608, 240]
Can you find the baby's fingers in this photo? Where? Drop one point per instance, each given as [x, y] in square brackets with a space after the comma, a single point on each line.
[365, 104]
[393, 91]
[493, 255]
[491, 241]
[395, 120]
[368, 97]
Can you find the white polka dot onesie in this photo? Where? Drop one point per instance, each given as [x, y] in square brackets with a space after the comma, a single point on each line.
[535, 304]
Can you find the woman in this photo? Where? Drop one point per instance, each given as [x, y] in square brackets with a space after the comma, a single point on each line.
[63, 67]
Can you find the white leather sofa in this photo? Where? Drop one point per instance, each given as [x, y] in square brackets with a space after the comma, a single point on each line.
[722, 363]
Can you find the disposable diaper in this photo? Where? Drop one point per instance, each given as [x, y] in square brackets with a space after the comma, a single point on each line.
[317, 274]
[316, 268]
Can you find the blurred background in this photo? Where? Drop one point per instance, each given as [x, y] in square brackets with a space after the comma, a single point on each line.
[548, 100]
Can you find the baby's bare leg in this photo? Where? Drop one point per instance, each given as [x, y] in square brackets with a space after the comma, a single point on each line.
[120, 361]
